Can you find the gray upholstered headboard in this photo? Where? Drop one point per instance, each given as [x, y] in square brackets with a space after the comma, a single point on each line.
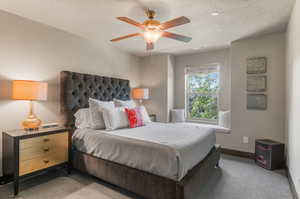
[77, 88]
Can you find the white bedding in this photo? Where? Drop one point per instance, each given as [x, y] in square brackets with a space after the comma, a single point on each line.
[168, 150]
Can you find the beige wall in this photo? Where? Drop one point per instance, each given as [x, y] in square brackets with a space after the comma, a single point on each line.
[33, 51]
[201, 59]
[157, 74]
[170, 86]
[293, 96]
[153, 76]
[250, 123]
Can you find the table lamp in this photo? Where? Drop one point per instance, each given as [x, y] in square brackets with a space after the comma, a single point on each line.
[140, 94]
[30, 90]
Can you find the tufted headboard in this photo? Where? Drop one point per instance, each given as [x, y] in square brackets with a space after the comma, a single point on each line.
[77, 88]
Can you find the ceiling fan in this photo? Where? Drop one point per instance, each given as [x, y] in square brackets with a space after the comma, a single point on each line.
[152, 29]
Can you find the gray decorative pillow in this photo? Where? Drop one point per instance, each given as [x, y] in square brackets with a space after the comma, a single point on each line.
[177, 115]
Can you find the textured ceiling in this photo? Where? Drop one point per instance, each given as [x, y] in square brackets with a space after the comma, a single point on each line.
[95, 20]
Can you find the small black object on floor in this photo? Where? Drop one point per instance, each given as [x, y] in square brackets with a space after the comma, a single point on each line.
[269, 154]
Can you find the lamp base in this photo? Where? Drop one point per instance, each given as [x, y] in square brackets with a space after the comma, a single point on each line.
[31, 123]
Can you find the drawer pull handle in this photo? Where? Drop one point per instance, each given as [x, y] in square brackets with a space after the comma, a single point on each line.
[46, 149]
[46, 161]
[46, 140]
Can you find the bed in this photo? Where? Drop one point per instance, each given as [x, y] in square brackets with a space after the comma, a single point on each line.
[154, 166]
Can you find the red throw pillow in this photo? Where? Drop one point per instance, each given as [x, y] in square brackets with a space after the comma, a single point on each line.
[134, 117]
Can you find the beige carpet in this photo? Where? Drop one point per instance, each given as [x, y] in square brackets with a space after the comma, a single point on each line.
[238, 178]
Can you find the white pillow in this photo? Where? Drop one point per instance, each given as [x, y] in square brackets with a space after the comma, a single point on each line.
[145, 115]
[115, 118]
[82, 118]
[127, 103]
[177, 115]
[224, 119]
[96, 108]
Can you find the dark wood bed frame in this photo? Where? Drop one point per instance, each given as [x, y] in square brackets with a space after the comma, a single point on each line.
[76, 88]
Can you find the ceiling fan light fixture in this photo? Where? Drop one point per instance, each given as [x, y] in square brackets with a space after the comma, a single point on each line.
[151, 36]
[152, 29]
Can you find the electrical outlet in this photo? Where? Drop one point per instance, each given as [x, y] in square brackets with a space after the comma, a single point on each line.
[246, 140]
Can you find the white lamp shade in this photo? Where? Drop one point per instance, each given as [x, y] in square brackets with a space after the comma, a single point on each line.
[140, 93]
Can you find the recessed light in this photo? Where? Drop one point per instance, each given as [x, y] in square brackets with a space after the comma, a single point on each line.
[215, 13]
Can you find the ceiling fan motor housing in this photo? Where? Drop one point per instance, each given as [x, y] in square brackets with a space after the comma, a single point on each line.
[150, 13]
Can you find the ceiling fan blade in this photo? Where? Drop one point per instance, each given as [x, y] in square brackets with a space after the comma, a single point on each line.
[125, 37]
[177, 37]
[130, 21]
[175, 22]
[150, 46]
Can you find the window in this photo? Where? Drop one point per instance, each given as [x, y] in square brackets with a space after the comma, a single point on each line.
[202, 85]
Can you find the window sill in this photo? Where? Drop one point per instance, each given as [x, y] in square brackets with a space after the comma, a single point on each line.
[203, 122]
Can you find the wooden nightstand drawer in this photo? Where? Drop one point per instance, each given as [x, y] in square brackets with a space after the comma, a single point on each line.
[42, 162]
[45, 141]
[42, 150]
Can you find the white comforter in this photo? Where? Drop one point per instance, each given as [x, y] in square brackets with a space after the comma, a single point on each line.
[168, 150]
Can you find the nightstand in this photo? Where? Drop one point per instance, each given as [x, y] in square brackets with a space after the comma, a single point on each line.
[153, 117]
[28, 152]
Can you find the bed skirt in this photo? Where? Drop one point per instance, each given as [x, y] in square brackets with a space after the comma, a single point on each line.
[143, 183]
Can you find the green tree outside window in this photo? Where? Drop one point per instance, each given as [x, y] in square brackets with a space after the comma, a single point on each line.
[202, 95]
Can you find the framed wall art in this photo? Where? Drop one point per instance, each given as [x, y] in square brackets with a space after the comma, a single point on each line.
[257, 83]
[257, 65]
[256, 102]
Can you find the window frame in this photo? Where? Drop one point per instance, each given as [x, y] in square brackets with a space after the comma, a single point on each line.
[214, 66]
